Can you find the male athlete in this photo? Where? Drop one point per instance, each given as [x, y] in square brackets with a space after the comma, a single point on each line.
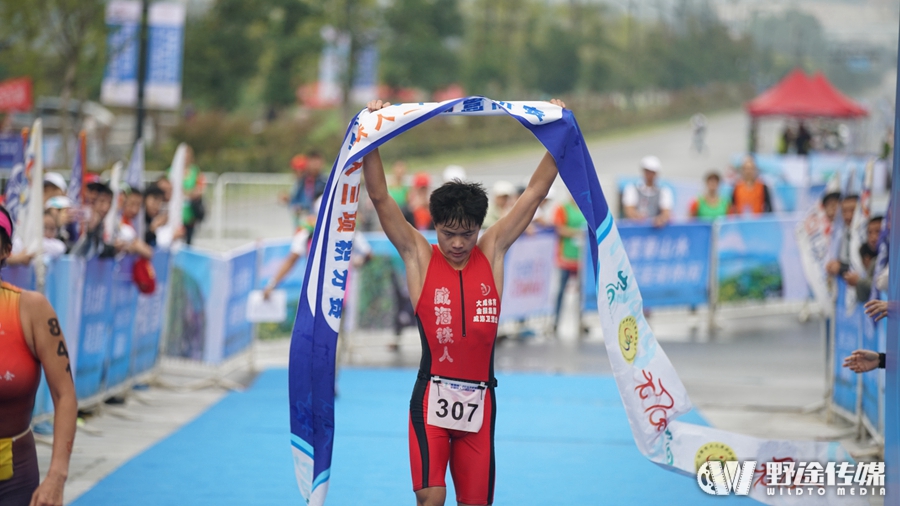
[455, 288]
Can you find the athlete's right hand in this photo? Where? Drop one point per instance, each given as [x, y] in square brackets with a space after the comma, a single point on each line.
[376, 105]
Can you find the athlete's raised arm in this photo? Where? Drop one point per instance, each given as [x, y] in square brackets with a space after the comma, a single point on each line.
[498, 238]
[411, 245]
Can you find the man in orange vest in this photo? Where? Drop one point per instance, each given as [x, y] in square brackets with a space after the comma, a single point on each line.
[751, 195]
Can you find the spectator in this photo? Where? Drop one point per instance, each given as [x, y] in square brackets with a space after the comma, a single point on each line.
[868, 251]
[398, 188]
[133, 199]
[570, 227]
[840, 248]
[54, 185]
[92, 243]
[803, 141]
[830, 204]
[310, 184]
[710, 205]
[419, 197]
[53, 247]
[646, 200]
[750, 195]
[452, 172]
[503, 193]
[154, 216]
[59, 209]
[194, 184]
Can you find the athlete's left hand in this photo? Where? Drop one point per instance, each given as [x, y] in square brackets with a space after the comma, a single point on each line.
[375, 105]
[50, 491]
[556, 101]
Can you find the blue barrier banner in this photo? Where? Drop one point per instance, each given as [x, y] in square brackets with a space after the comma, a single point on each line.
[96, 327]
[238, 331]
[847, 333]
[872, 390]
[671, 265]
[272, 255]
[123, 305]
[11, 150]
[759, 260]
[149, 317]
[20, 275]
[191, 286]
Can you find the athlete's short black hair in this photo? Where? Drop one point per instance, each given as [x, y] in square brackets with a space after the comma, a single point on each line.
[850, 196]
[459, 203]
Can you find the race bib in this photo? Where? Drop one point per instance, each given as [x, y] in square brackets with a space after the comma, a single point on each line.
[456, 405]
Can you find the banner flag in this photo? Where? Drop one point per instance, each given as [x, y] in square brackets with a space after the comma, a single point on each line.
[114, 216]
[76, 180]
[17, 184]
[651, 391]
[30, 229]
[166, 233]
[134, 178]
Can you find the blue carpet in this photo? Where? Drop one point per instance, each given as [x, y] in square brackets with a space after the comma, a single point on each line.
[560, 440]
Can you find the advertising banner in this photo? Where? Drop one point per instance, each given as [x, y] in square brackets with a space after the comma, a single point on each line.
[122, 306]
[847, 338]
[759, 260]
[149, 317]
[528, 277]
[671, 265]
[15, 95]
[164, 54]
[241, 275]
[96, 327]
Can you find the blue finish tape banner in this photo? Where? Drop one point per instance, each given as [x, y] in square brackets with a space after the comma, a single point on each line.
[149, 317]
[651, 391]
[123, 305]
[671, 265]
[96, 327]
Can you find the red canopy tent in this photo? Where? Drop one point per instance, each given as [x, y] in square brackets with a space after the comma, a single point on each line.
[800, 96]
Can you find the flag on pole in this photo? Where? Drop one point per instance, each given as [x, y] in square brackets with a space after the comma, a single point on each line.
[114, 216]
[134, 178]
[651, 391]
[77, 178]
[166, 234]
[17, 185]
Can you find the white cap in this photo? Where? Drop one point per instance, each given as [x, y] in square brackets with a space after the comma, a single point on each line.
[504, 188]
[58, 202]
[56, 179]
[651, 163]
[454, 172]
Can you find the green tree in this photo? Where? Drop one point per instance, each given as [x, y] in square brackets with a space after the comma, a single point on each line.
[420, 46]
[221, 53]
[59, 43]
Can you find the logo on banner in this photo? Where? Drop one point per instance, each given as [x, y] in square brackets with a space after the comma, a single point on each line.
[628, 338]
[723, 478]
[713, 451]
[617, 288]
